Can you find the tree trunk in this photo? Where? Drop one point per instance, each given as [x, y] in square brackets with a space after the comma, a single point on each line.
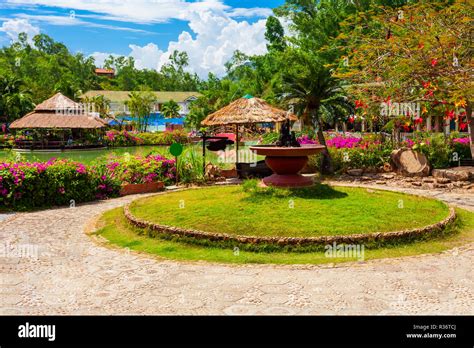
[470, 124]
[326, 160]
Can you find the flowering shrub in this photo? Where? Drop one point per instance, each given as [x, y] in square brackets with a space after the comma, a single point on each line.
[62, 182]
[125, 138]
[305, 139]
[7, 140]
[343, 142]
[56, 182]
[139, 170]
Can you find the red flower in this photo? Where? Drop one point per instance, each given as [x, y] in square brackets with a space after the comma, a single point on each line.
[426, 84]
[419, 120]
[359, 104]
[351, 119]
[434, 61]
[450, 114]
[462, 126]
[421, 45]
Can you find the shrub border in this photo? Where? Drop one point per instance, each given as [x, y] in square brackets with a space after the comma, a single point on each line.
[377, 237]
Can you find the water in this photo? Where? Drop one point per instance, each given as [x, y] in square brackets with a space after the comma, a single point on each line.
[88, 157]
[92, 157]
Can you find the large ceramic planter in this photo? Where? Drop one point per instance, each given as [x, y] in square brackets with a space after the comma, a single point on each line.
[133, 189]
[286, 163]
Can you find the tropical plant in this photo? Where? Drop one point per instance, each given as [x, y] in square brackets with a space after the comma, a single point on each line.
[15, 100]
[140, 105]
[314, 91]
[170, 109]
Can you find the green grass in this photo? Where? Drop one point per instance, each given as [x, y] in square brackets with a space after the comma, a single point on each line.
[317, 211]
[114, 227]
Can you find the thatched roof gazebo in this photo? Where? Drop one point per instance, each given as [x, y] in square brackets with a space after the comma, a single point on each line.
[58, 112]
[247, 110]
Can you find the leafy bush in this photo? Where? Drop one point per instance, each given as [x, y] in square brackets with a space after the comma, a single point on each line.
[124, 138]
[62, 182]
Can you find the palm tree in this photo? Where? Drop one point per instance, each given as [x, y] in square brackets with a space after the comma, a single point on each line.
[101, 105]
[140, 105]
[170, 109]
[15, 100]
[311, 86]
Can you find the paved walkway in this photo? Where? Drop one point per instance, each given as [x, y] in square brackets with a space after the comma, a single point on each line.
[73, 275]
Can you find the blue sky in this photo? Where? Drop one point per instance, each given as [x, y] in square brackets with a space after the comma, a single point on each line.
[148, 30]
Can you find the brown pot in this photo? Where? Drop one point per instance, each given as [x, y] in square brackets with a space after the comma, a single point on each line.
[286, 163]
[132, 189]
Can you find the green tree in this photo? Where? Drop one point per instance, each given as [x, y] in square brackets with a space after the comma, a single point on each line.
[140, 105]
[311, 87]
[170, 109]
[275, 35]
[15, 100]
[420, 52]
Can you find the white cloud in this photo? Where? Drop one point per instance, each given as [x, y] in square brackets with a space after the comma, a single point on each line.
[145, 11]
[217, 38]
[251, 12]
[13, 27]
[139, 11]
[100, 57]
[146, 57]
[74, 20]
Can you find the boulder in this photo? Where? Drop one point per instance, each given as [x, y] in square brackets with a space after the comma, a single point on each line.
[455, 174]
[410, 163]
[355, 172]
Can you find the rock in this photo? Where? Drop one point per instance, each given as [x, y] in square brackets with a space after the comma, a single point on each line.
[410, 163]
[370, 170]
[380, 182]
[440, 186]
[388, 176]
[443, 181]
[455, 174]
[409, 180]
[365, 178]
[416, 183]
[355, 172]
[429, 180]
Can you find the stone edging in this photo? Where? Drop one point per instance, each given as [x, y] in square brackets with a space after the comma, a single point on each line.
[293, 241]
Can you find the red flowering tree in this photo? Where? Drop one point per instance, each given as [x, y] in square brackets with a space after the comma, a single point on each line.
[418, 53]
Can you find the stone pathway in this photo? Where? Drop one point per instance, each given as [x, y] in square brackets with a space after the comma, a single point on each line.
[74, 275]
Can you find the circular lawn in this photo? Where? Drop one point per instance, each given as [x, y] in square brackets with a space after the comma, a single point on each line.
[320, 210]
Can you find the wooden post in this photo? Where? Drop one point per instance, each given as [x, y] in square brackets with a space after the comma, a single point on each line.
[428, 123]
[436, 123]
[204, 155]
[236, 145]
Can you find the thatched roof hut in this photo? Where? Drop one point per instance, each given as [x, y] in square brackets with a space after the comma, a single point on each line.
[248, 110]
[58, 112]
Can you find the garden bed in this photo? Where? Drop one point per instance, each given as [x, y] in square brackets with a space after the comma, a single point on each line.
[132, 189]
[303, 219]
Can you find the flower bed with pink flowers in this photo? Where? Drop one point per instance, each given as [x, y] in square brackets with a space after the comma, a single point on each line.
[63, 182]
